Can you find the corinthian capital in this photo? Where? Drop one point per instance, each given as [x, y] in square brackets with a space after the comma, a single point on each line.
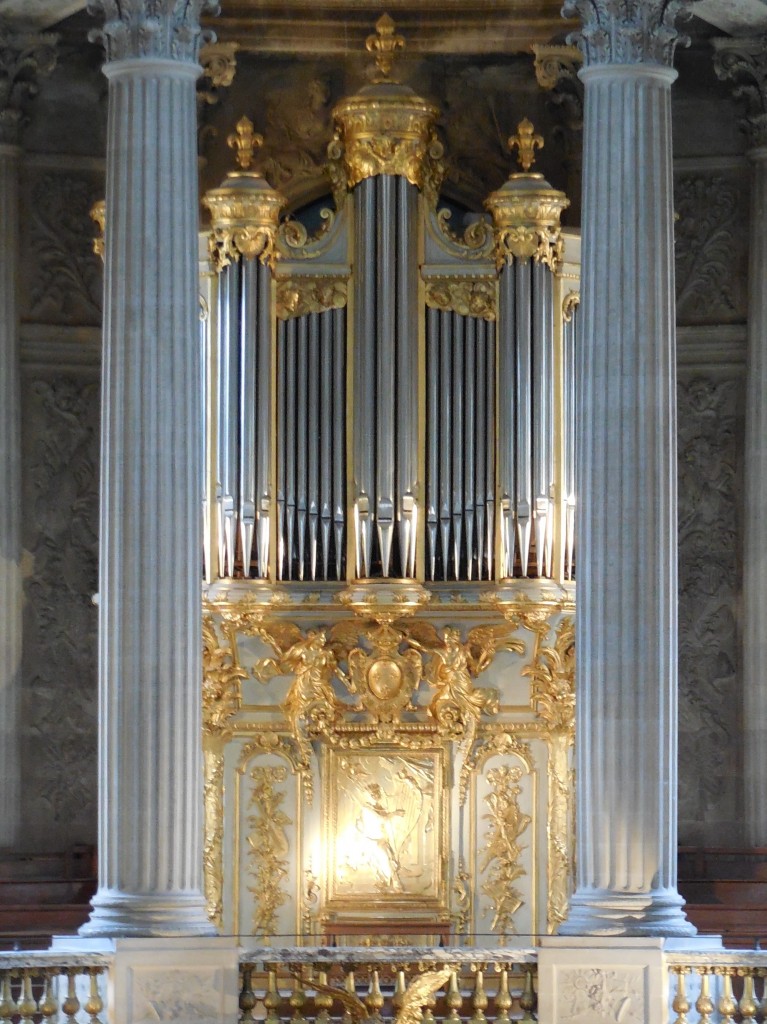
[160, 29]
[24, 57]
[744, 63]
[627, 31]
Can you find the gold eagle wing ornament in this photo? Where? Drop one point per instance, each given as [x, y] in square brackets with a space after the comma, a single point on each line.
[417, 995]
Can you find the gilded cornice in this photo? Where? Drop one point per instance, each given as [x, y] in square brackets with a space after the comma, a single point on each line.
[627, 31]
[160, 29]
[24, 57]
[744, 63]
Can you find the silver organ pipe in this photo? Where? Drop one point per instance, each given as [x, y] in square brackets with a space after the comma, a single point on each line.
[494, 436]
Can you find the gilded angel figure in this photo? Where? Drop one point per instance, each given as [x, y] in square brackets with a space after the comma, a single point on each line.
[311, 704]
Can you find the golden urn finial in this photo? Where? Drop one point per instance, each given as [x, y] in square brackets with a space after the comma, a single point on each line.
[384, 44]
[244, 141]
[525, 142]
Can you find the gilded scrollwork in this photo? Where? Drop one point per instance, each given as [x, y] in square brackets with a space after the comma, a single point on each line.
[269, 847]
[468, 296]
[502, 852]
[553, 680]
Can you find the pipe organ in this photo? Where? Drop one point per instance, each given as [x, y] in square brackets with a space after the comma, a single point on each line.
[389, 400]
[389, 515]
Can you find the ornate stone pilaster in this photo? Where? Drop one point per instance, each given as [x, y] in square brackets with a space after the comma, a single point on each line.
[626, 453]
[744, 62]
[23, 56]
[150, 756]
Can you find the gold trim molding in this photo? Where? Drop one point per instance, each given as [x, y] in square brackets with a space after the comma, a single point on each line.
[468, 296]
[297, 296]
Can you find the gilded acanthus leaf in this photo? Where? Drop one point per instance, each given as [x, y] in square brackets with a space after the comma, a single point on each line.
[503, 851]
[269, 847]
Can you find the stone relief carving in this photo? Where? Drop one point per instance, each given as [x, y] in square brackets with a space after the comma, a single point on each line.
[592, 995]
[711, 248]
[60, 538]
[188, 994]
[64, 273]
[709, 584]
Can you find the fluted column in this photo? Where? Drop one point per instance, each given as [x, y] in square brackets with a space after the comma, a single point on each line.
[744, 61]
[626, 442]
[23, 56]
[150, 758]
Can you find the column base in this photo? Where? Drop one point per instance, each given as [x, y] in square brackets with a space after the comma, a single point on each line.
[607, 912]
[166, 915]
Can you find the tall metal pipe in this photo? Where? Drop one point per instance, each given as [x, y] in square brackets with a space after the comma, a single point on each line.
[407, 373]
[339, 446]
[432, 437]
[541, 411]
[479, 387]
[470, 444]
[290, 445]
[445, 436]
[507, 407]
[326, 437]
[491, 349]
[313, 440]
[458, 453]
[523, 397]
[385, 186]
[365, 316]
[248, 340]
[281, 447]
[264, 412]
[302, 445]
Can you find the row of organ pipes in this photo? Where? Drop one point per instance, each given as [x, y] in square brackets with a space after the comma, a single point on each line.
[387, 398]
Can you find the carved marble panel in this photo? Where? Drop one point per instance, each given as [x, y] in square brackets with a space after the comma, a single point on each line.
[710, 764]
[711, 236]
[60, 523]
[61, 280]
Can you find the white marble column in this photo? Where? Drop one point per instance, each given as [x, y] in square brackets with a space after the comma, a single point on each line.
[23, 56]
[150, 758]
[744, 61]
[626, 682]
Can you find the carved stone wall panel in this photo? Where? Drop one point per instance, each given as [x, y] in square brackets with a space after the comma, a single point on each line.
[710, 473]
[711, 235]
[61, 279]
[60, 506]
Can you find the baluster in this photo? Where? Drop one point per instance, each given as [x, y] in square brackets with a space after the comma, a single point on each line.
[351, 989]
[297, 1000]
[453, 1000]
[761, 972]
[27, 1003]
[503, 999]
[527, 1000]
[94, 1004]
[479, 1001]
[49, 1006]
[748, 1005]
[323, 1001]
[272, 1000]
[71, 1004]
[680, 1004]
[374, 1000]
[704, 1004]
[247, 995]
[7, 1003]
[399, 992]
[727, 1006]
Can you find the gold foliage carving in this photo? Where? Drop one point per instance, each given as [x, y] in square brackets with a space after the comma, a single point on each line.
[502, 850]
[465, 295]
[269, 847]
[213, 845]
[461, 916]
[297, 296]
[570, 303]
[222, 678]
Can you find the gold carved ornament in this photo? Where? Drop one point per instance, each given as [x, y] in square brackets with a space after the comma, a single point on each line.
[269, 847]
[244, 210]
[385, 128]
[526, 210]
[98, 214]
[502, 850]
[297, 296]
[570, 303]
[465, 295]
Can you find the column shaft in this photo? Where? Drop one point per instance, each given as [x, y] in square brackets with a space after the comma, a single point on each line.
[755, 519]
[150, 831]
[627, 548]
[10, 500]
